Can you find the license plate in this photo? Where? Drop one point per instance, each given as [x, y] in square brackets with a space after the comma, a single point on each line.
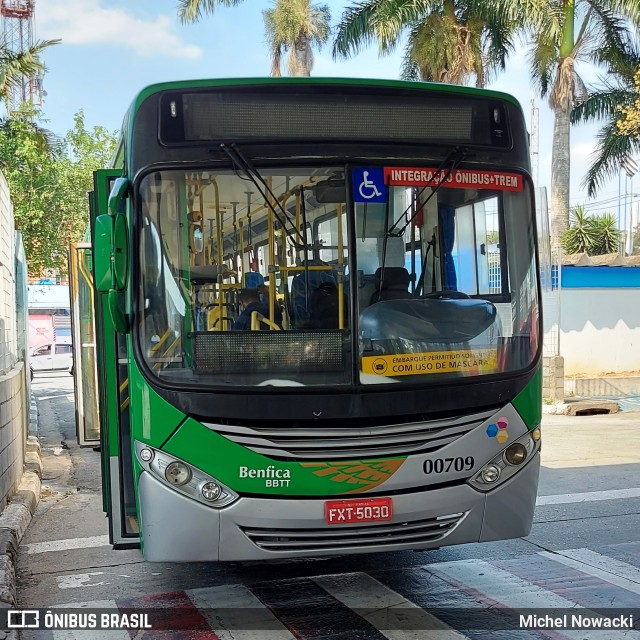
[358, 510]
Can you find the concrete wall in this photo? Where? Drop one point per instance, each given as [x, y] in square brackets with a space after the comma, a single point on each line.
[13, 380]
[600, 320]
[553, 380]
[13, 430]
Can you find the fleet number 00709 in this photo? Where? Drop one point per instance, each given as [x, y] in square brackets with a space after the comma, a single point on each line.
[445, 465]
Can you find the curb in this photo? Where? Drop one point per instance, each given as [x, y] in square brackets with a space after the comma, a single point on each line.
[17, 516]
[580, 407]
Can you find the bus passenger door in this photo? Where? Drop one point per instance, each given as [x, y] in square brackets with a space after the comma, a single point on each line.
[113, 397]
[83, 368]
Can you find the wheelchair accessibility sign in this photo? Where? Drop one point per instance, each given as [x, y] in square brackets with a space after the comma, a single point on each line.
[368, 185]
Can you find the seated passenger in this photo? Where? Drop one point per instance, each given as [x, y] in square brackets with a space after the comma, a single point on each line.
[323, 307]
[249, 300]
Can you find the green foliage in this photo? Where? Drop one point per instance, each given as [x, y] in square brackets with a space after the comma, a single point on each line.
[636, 240]
[14, 65]
[608, 237]
[593, 235]
[453, 41]
[48, 180]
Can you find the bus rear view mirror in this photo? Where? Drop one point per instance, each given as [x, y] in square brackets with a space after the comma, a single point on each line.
[118, 195]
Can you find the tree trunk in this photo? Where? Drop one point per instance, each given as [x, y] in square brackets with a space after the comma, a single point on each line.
[301, 59]
[560, 175]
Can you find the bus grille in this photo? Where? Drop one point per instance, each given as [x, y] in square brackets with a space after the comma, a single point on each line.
[324, 443]
[337, 539]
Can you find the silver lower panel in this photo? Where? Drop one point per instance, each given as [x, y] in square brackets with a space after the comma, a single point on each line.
[177, 529]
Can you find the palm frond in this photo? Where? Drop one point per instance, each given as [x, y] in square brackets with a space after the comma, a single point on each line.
[380, 21]
[607, 157]
[543, 59]
[14, 66]
[194, 10]
[354, 29]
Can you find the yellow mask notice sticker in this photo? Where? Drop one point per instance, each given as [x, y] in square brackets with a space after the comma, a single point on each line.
[472, 362]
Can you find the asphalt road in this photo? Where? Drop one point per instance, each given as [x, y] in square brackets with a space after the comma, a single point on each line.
[583, 551]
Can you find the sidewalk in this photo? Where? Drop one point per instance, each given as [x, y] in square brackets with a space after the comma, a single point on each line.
[17, 516]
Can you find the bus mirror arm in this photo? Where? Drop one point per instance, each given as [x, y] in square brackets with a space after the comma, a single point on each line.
[118, 317]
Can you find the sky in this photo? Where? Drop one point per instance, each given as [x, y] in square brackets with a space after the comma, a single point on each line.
[111, 49]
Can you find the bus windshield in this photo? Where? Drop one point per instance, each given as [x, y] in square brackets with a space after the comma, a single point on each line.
[334, 275]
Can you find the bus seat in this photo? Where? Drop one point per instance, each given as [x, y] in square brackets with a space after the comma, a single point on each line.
[300, 305]
[393, 286]
[253, 279]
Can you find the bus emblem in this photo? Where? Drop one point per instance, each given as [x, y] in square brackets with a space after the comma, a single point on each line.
[498, 430]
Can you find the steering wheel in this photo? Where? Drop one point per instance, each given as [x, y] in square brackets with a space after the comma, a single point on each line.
[448, 294]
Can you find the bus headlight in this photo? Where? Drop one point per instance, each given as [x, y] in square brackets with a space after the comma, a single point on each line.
[507, 463]
[515, 453]
[490, 473]
[183, 477]
[177, 473]
[211, 490]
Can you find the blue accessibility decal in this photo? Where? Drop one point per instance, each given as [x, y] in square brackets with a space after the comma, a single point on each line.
[368, 185]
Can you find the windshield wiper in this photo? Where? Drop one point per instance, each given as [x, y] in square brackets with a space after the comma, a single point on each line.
[455, 157]
[282, 216]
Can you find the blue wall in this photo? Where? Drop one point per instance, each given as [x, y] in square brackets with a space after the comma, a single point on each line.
[600, 277]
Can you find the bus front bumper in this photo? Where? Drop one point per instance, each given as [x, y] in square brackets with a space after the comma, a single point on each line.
[178, 529]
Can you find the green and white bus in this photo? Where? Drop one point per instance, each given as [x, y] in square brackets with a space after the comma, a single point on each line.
[317, 320]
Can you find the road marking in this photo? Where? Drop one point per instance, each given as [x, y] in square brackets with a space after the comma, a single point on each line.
[109, 606]
[70, 543]
[595, 564]
[588, 496]
[509, 590]
[228, 607]
[389, 610]
[79, 580]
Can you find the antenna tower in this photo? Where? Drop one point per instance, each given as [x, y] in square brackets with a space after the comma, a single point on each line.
[18, 26]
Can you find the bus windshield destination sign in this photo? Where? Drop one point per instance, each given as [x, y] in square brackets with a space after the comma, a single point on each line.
[458, 179]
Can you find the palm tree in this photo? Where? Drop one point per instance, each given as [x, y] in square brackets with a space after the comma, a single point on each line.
[452, 41]
[556, 46]
[16, 65]
[292, 26]
[619, 88]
